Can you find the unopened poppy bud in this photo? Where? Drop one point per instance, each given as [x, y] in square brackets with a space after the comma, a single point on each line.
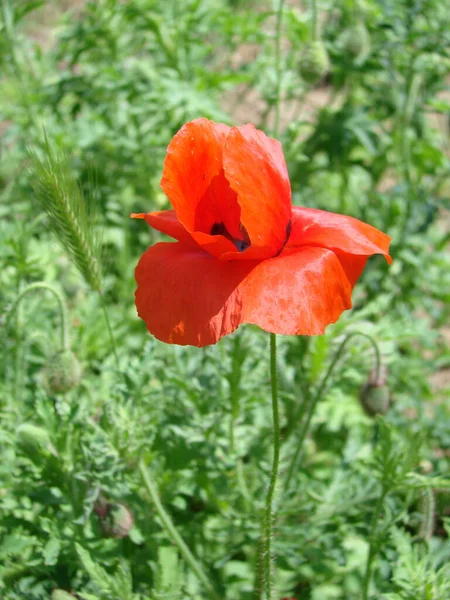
[356, 42]
[375, 396]
[314, 63]
[118, 521]
[61, 595]
[62, 372]
[33, 438]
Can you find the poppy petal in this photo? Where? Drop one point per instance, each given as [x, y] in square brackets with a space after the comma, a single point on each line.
[353, 265]
[167, 222]
[255, 168]
[194, 158]
[299, 292]
[313, 227]
[187, 297]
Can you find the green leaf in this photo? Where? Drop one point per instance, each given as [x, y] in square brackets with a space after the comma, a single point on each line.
[51, 551]
[98, 575]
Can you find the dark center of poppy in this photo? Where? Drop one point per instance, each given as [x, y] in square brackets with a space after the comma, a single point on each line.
[241, 245]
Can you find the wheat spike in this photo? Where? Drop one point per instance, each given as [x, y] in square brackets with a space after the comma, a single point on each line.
[69, 216]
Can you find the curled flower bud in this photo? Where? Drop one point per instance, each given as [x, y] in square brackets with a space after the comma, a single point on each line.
[375, 395]
[116, 519]
[314, 63]
[62, 372]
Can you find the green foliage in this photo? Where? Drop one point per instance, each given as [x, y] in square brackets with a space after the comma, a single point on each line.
[111, 86]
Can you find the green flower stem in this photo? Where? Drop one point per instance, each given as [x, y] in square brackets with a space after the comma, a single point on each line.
[278, 70]
[17, 356]
[413, 85]
[314, 21]
[372, 544]
[40, 285]
[109, 328]
[173, 534]
[320, 391]
[234, 379]
[264, 560]
[265, 557]
[428, 507]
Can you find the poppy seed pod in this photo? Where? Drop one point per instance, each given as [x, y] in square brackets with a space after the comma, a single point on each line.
[314, 64]
[118, 521]
[375, 396]
[61, 595]
[62, 372]
[356, 42]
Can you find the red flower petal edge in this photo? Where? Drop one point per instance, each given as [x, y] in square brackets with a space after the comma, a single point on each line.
[243, 253]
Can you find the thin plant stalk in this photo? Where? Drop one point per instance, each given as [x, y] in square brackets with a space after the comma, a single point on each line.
[234, 380]
[264, 559]
[40, 285]
[109, 328]
[173, 534]
[14, 310]
[314, 21]
[268, 516]
[264, 574]
[263, 581]
[17, 357]
[319, 394]
[372, 544]
[278, 70]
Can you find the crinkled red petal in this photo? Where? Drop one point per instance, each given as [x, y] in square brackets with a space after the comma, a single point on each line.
[255, 167]
[187, 297]
[194, 158]
[299, 292]
[313, 227]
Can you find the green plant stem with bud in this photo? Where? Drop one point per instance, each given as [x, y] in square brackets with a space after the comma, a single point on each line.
[173, 534]
[14, 310]
[319, 394]
[40, 285]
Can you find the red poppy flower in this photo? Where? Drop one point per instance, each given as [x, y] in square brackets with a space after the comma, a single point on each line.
[244, 254]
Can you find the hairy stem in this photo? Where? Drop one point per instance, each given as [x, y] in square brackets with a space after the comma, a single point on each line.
[234, 380]
[173, 534]
[320, 391]
[278, 70]
[264, 560]
[265, 557]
